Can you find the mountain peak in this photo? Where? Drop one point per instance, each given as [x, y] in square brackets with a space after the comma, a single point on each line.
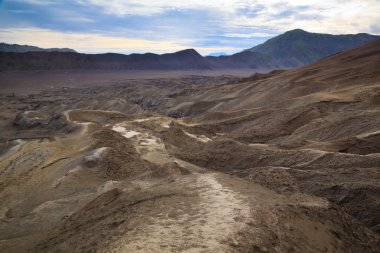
[297, 47]
[189, 51]
[298, 30]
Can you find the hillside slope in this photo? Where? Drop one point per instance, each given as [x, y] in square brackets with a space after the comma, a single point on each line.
[298, 47]
[331, 108]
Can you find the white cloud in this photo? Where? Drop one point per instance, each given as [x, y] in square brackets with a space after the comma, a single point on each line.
[334, 16]
[150, 7]
[37, 2]
[231, 25]
[249, 35]
[97, 43]
[78, 19]
[315, 16]
[22, 11]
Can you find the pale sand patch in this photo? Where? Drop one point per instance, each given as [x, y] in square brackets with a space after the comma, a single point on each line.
[18, 145]
[201, 138]
[163, 122]
[96, 154]
[259, 145]
[126, 133]
[150, 147]
[142, 120]
[364, 135]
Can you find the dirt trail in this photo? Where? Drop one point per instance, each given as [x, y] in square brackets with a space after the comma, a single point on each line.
[148, 145]
[204, 222]
[121, 188]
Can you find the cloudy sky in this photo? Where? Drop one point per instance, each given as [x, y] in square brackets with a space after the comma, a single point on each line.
[126, 26]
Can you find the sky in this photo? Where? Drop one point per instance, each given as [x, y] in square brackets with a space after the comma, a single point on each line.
[162, 26]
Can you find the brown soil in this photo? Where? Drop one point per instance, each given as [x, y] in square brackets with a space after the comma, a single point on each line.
[281, 162]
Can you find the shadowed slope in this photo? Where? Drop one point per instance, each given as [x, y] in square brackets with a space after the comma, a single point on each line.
[298, 47]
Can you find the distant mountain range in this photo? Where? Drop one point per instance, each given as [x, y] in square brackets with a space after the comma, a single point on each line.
[182, 60]
[292, 49]
[243, 60]
[298, 47]
[4, 47]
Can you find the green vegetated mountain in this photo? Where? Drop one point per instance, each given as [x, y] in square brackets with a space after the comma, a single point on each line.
[298, 47]
[4, 47]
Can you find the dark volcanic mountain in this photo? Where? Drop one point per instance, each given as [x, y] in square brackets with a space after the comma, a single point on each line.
[291, 49]
[4, 47]
[243, 60]
[186, 59]
[298, 47]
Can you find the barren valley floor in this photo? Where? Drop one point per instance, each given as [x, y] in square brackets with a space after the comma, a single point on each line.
[286, 161]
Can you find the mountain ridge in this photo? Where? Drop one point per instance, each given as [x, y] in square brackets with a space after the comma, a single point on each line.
[16, 48]
[298, 47]
[243, 60]
[185, 59]
[291, 49]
